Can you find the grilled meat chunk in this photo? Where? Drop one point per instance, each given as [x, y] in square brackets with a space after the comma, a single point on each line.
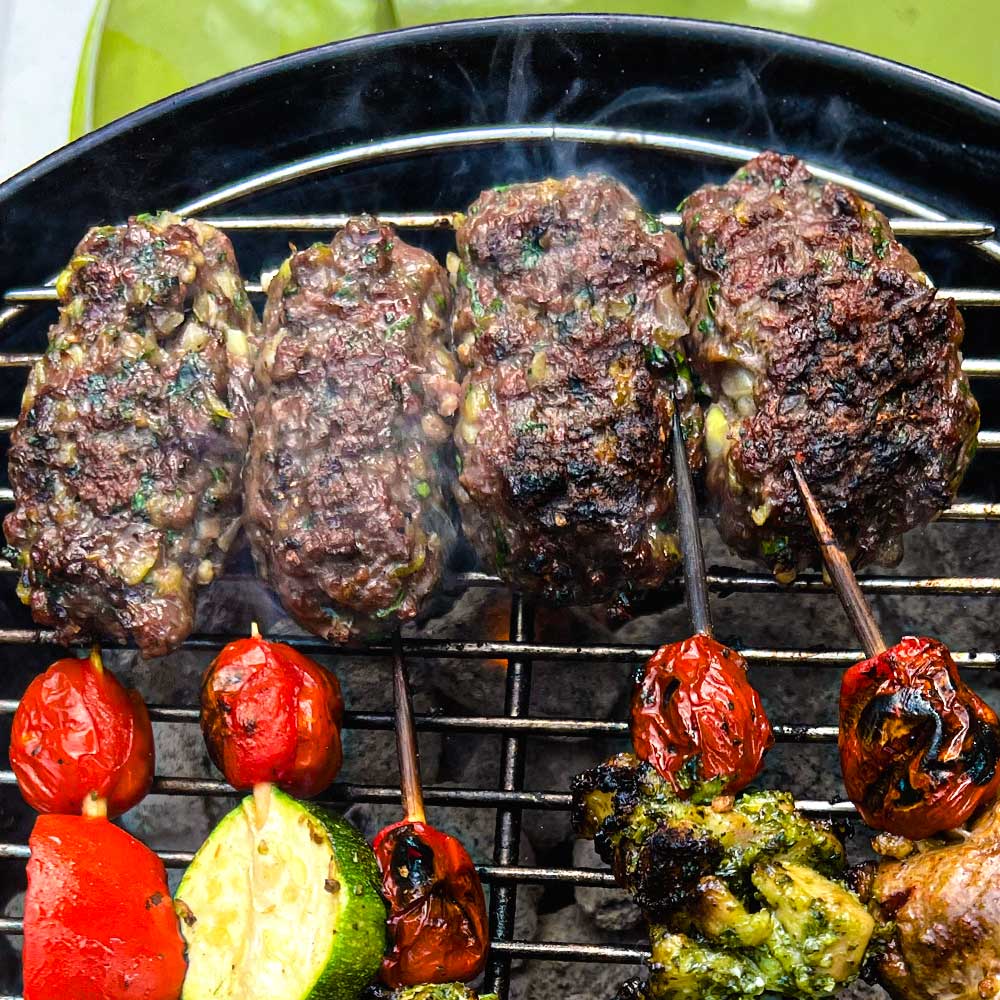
[344, 503]
[820, 337]
[944, 901]
[745, 894]
[126, 458]
[569, 312]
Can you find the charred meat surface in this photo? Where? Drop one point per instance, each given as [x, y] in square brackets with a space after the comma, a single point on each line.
[820, 338]
[126, 458]
[569, 316]
[944, 902]
[344, 503]
[745, 894]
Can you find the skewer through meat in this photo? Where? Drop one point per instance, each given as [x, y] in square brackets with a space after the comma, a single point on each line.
[820, 337]
[126, 458]
[344, 504]
[569, 311]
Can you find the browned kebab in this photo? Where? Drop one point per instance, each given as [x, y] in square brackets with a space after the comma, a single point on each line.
[919, 752]
[818, 335]
[570, 306]
[126, 458]
[356, 395]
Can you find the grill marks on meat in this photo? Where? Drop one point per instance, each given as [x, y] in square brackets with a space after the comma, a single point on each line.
[570, 306]
[344, 504]
[126, 458]
[820, 337]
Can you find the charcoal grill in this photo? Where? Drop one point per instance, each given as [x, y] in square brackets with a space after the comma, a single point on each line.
[412, 125]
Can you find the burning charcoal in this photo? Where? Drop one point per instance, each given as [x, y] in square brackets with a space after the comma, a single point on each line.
[610, 909]
[567, 689]
[576, 980]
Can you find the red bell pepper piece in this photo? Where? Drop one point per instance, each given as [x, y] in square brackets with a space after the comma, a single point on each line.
[98, 918]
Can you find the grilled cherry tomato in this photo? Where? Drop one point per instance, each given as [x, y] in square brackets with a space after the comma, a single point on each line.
[437, 914]
[98, 918]
[696, 717]
[79, 737]
[268, 713]
[919, 749]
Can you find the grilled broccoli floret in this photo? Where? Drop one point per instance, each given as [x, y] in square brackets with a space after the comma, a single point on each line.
[685, 969]
[428, 991]
[820, 931]
[661, 846]
[743, 893]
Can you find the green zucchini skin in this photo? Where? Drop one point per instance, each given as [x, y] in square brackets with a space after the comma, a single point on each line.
[261, 894]
[355, 957]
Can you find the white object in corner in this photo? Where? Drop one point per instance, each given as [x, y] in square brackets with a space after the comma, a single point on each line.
[40, 45]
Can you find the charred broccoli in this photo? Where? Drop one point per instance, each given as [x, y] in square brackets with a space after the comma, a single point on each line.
[661, 847]
[428, 991]
[743, 892]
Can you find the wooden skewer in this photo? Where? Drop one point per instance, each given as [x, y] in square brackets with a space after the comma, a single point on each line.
[839, 568]
[695, 582]
[406, 739]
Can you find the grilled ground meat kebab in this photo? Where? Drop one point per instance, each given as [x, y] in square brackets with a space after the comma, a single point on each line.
[344, 505]
[570, 307]
[820, 337]
[126, 458]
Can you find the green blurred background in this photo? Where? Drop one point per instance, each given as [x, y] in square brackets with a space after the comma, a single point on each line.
[140, 50]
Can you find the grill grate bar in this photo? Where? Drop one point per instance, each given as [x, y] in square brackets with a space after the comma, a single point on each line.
[383, 721]
[507, 836]
[572, 952]
[740, 581]
[499, 649]
[508, 949]
[961, 229]
[596, 877]
[966, 297]
[973, 367]
[507, 800]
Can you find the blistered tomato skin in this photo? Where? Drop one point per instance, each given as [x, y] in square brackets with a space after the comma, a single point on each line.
[268, 713]
[438, 930]
[78, 732]
[98, 918]
[696, 717]
[919, 749]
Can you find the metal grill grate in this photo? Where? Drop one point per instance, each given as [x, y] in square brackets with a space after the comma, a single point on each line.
[516, 724]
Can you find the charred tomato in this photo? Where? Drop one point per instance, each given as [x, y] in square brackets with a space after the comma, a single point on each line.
[269, 713]
[696, 717]
[438, 929]
[919, 749]
[79, 737]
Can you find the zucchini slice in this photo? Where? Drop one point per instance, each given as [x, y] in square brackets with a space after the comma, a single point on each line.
[281, 902]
